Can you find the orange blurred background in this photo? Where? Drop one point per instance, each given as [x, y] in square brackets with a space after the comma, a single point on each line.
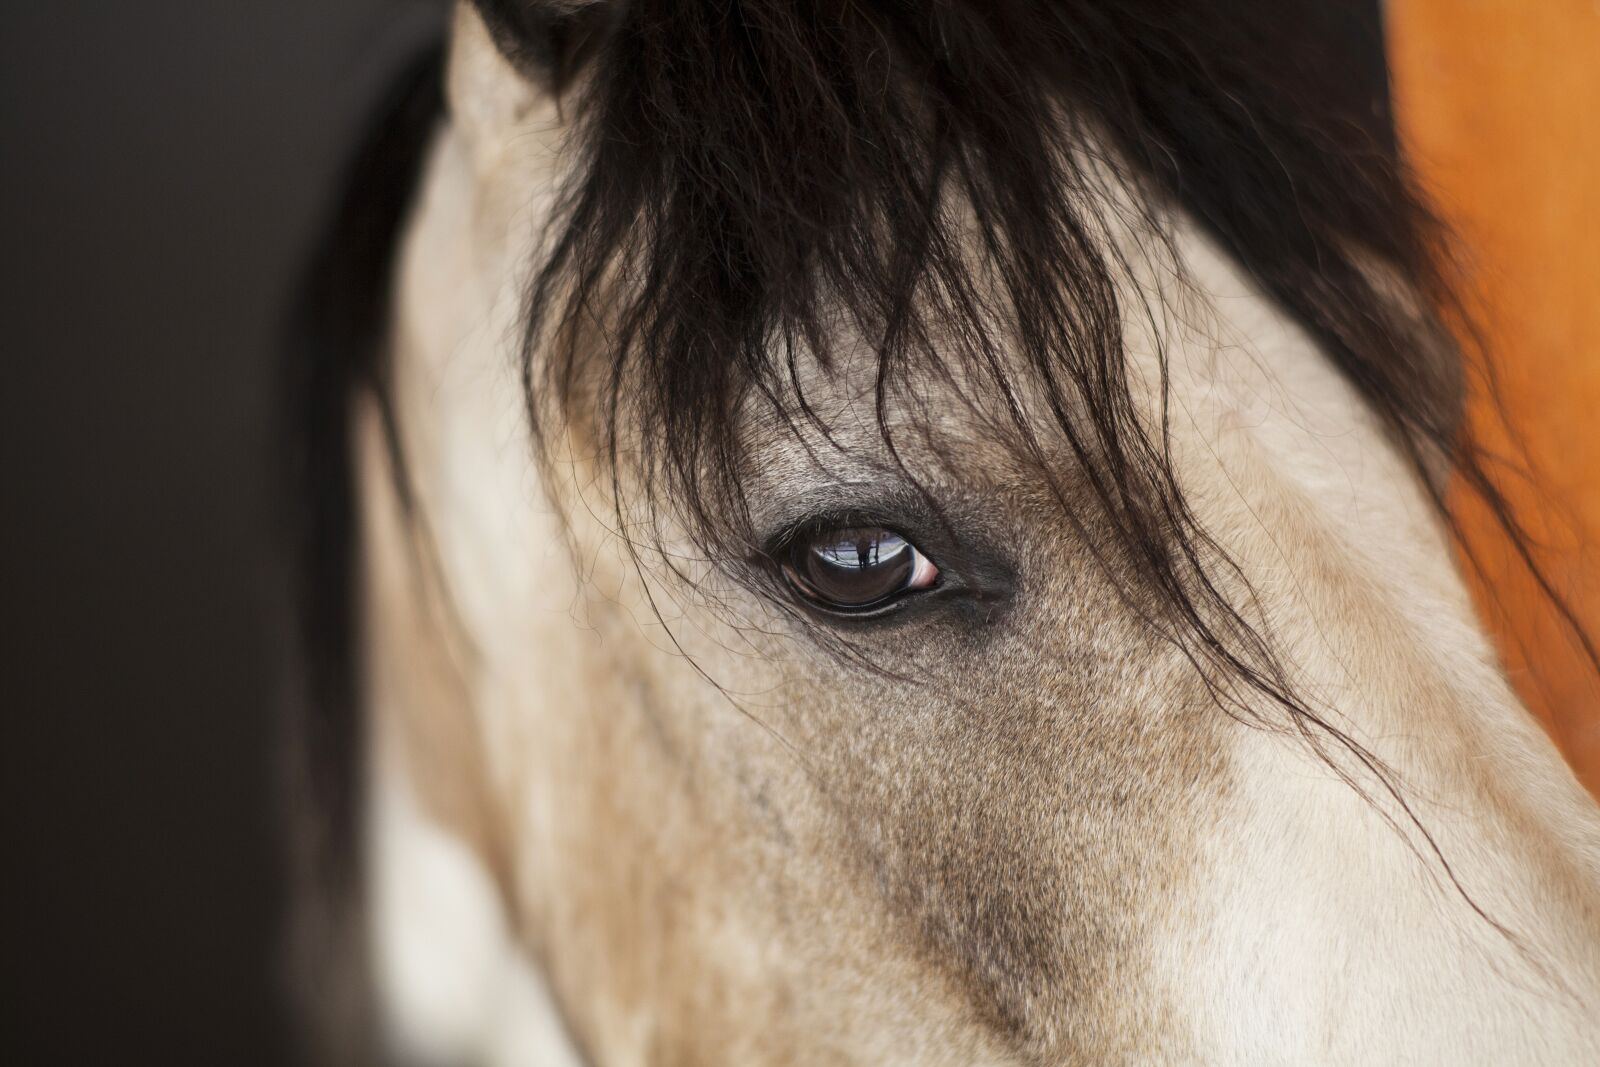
[1498, 103]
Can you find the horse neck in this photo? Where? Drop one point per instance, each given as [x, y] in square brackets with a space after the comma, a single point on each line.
[1460, 865]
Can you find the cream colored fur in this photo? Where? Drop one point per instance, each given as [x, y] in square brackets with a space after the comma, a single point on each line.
[576, 834]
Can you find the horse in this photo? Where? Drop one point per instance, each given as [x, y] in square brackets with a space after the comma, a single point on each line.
[886, 533]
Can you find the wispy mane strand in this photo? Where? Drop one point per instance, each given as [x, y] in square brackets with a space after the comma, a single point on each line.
[754, 170]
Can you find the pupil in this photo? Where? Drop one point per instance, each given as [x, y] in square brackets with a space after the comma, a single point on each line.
[857, 568]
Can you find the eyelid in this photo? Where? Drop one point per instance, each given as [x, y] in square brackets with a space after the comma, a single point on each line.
[840, 504]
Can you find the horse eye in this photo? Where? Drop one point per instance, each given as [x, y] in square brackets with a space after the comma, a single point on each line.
[856, 569]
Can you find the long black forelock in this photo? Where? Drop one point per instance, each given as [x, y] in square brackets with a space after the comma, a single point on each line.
[761, 177]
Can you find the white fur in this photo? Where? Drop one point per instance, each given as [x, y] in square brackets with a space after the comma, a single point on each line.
[454, 987]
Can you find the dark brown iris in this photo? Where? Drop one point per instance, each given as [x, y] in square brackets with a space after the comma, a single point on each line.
[854, 568]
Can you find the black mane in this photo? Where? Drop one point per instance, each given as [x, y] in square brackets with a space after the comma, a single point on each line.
[756, 173]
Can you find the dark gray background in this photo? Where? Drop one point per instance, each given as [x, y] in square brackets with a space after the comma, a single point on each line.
[162, 170]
